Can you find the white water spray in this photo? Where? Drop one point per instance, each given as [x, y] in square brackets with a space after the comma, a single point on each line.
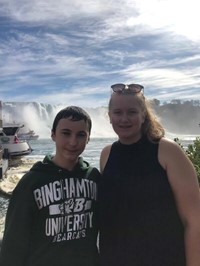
[39, 117]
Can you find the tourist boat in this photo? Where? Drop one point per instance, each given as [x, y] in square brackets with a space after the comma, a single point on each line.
[11, 144]
[30, 135]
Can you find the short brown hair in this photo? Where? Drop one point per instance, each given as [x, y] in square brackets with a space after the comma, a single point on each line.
[75, 113]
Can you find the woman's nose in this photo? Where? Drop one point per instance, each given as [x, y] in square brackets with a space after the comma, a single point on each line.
[124, 117]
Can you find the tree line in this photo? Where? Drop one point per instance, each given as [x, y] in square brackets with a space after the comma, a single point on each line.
[180, 117]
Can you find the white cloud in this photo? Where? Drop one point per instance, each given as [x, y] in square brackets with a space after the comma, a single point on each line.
[179, 16]
[52, 45]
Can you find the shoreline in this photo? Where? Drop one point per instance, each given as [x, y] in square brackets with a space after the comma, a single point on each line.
[17, 168]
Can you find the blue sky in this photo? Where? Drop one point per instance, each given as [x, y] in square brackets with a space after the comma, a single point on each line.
[70, 52]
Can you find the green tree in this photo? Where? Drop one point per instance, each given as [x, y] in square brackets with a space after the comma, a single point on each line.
[193, 152]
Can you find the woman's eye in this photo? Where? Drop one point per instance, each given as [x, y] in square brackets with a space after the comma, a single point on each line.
[133, 112]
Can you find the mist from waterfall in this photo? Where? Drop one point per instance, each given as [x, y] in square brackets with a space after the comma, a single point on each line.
[39, 117]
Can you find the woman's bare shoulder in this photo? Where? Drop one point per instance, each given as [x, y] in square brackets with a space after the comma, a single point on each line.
[169, 150]
[104, 156]
[106, 149]
[169, 145]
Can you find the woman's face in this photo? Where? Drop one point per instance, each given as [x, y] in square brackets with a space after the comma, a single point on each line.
[126, 117]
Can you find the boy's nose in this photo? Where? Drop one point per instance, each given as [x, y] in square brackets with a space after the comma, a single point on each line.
[73, 141]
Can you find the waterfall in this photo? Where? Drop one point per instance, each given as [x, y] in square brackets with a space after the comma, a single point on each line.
[39, 117]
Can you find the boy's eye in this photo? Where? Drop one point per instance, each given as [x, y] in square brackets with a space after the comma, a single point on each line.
[66, 133]
[82, 134]
[117, 112]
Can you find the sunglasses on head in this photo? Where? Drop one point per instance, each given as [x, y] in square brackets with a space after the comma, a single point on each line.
[133, 88]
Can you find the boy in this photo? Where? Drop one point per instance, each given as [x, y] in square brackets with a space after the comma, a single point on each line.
[51, 218]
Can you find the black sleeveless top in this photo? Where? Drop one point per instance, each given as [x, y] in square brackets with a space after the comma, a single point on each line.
[140, 225]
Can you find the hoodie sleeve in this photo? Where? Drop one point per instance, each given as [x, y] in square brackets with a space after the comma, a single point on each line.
[18, 227]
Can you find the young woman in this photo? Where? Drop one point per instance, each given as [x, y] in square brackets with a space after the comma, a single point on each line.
[150, 200]
[51, 218]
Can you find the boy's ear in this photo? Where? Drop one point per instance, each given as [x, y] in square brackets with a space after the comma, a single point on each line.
[109, 117]
[52, 135]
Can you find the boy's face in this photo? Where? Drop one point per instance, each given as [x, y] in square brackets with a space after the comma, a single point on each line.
[70, 138]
